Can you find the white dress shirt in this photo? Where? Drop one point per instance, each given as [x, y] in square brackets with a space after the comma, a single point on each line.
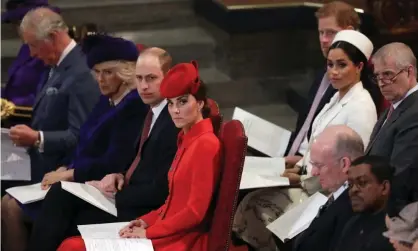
[340, 191]
[412, 90]
[156, 111]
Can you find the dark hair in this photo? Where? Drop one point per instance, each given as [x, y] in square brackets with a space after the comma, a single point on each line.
[201, 95]
[367, 75]
[379, 166]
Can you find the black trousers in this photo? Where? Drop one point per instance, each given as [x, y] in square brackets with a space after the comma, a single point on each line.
[60, 214]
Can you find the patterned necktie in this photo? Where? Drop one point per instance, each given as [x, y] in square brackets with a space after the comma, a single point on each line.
[324, 207]
[391, 109]
[144, 137]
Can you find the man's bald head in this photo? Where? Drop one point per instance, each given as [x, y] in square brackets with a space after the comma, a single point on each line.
[340, 140]
[42, 22]
[331, 154]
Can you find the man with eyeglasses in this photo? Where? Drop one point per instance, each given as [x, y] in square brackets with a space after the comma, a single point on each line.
[332, 153]
[369, 181]
[395, 134]
[262, 206]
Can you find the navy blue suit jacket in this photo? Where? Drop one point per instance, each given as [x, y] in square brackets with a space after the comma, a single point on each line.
[148, 186]
[107, 139]
[60, 108]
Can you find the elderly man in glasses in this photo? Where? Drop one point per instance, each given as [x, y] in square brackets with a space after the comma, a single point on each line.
[395, 134]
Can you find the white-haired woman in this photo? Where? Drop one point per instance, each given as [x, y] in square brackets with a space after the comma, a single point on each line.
[107, 139]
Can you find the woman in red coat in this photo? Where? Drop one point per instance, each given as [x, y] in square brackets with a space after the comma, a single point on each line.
[182, 223]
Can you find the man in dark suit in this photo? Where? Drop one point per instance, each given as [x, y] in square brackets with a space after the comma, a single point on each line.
[404, 189]
[68, 94]
[332, 153]
[396, 132]
[142, 188]
[369, 180]
[332, 18]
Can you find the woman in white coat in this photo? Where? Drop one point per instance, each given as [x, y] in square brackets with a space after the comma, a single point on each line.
[351, 105]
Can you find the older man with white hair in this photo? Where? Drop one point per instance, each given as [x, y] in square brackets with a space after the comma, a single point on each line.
[332, 153]
[66, 97]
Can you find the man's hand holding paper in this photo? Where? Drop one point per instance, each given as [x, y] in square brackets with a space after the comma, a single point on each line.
[106, 191]
[109, 185]
[113, 181]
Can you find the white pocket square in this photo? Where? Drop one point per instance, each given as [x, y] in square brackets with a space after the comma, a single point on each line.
[51, 91]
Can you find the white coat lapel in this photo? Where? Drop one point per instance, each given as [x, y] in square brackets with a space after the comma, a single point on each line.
[328, 113]
[335, 107]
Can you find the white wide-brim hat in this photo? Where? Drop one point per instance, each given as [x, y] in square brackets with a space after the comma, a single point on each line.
[358, 39]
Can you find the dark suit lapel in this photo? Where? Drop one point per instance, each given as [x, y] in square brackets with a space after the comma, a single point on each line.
[49, 83]
[317, 223]
[158, 126]
[376, 130]
[408, 102]
[58, 71]
[325, 99]
[380, 127]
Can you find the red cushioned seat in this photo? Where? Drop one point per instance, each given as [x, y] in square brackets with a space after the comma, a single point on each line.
[215, 115]
[234, 143]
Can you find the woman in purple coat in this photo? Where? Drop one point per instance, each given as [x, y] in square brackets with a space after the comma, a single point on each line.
[26, 72]
[107, 140]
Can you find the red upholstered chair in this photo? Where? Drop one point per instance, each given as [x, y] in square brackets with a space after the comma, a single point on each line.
[76, 243]
[234, 143]
[215, 115]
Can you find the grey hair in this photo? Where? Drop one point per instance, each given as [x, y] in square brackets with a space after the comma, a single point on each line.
[42, 22]
[398, 52]
[348, 144]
